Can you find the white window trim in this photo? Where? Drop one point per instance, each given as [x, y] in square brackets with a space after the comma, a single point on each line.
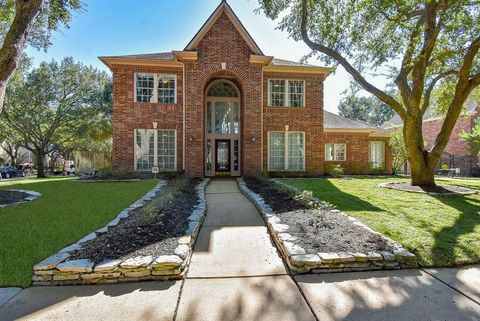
[286, 151]
[155, 87]
[335, 152]
[155, 147]
[287, 93]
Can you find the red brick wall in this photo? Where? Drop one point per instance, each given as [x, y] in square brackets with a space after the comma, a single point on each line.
[308, 119]
[128, 115]
[358, 151]
[457, 152]
[223, 44]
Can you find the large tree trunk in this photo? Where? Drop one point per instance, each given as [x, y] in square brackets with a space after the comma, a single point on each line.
[40, 164]
[422, 163]
[15, 40]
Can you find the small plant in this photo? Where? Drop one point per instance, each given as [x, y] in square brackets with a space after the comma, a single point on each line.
[445, 166]
[376, 169]
[334, 170]
[168, 194]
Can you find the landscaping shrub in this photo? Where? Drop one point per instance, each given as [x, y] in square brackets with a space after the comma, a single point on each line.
[355, 168]
[376, 170]
[334, 170]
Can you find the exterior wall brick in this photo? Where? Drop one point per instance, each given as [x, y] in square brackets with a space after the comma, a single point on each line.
[357, 155]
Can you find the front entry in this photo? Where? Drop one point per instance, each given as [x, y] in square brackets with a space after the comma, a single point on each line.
[222, 157]
[222, 129]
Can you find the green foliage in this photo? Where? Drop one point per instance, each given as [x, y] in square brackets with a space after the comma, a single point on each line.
[367, 109]
[55, 106]
[376, 170]
[334, 170]
[396, 144]
[445, 166]
[473, 137]
[54, 15]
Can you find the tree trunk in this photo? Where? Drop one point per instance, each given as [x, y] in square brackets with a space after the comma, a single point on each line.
[422, 163]
[40, 165]
[15, 40]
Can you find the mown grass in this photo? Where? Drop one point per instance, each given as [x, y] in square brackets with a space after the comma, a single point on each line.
[66, 211]
[441, 231]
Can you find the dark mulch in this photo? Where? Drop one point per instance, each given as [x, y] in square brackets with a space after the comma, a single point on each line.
[9, 197]
[143, 233]
[317, 230]
[439, 189]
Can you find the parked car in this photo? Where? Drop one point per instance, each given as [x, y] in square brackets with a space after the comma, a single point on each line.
[12, 171]
[69, 167]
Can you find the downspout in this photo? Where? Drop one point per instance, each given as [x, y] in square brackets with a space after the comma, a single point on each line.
[183, 127]
[261, 124]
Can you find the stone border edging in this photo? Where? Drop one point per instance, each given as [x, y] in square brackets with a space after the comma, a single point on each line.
[58, 270]
[468, 191]
[31, 196]
[300, 262]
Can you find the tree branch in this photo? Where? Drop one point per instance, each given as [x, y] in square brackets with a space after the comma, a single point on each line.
[389, 100]
[428, 92]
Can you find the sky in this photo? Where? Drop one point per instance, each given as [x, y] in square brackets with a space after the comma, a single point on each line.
[121, 27]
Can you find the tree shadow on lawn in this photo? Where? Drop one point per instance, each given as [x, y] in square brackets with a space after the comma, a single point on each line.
[326, 191]
[447, 239]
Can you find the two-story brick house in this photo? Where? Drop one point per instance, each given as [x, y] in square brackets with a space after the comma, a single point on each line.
[220, 107]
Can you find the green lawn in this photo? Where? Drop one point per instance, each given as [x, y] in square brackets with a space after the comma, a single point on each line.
[66, 211]
[441, 231]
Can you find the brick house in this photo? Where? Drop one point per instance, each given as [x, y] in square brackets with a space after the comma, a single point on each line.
[220, 107]
[457, 153]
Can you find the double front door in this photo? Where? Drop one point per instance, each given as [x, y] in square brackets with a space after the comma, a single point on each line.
[222, 137]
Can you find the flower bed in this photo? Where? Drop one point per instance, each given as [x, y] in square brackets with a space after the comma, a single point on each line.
[17, 196]
[314, 237]
[149, 240]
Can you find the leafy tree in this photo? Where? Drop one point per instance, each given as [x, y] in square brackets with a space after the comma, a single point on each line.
[473, 137]
[428, 48]
[28, 21]
[397, 146]
[368, 109]
[54, 105]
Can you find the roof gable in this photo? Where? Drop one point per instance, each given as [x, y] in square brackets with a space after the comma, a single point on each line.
[224, 8]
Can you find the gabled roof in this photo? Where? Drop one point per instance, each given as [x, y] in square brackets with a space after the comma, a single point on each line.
[224, 7]
[333, 122]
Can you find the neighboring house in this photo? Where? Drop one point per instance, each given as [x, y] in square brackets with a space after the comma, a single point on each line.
[457, 153]
[24, 155]
[221, 107]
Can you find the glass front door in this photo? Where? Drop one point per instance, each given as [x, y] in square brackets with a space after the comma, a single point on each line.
[222, 153]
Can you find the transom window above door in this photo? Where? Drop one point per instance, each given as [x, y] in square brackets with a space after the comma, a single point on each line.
[222, 89]
[155, 88]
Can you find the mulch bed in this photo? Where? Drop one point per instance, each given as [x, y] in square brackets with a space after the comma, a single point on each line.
[9, 197]
[317, 230]
[144, 233]
[435, 190]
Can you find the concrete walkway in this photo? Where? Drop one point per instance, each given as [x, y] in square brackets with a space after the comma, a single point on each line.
[237, 275]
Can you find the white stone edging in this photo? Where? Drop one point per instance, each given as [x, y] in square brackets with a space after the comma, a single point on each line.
[58, 270]
[31, 196]
[300, 262]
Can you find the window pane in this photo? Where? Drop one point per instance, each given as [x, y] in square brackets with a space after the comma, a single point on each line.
[276, 151]
[236, 120]
[222, 118]
[166, 150]
[329, 152]
[166, 89]
[377, 154]
[209, 154]
[340, 152]
[296, 90]
[277, 93]
[222, 89]
[144, 149]
[209, 117]
[296, 151]
[144, 85]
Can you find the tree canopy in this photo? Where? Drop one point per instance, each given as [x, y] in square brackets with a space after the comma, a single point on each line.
[56, 105]
[368, 109]
[428, 49]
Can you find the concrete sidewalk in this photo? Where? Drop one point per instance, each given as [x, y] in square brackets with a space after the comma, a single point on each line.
[237, 275]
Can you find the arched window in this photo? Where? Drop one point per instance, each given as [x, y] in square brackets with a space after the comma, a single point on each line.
[222, 89]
